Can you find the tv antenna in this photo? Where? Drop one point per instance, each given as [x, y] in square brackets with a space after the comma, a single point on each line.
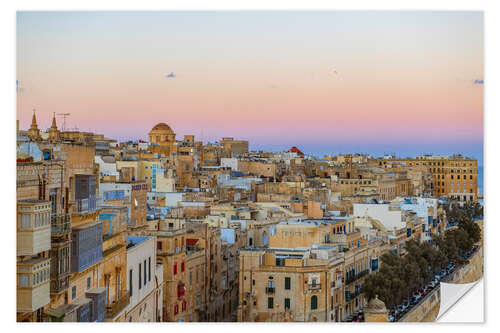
[64, 115]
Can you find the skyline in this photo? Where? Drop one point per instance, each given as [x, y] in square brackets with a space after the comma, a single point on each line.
[331, 81]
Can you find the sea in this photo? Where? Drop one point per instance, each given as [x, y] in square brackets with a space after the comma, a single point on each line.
[480, 175]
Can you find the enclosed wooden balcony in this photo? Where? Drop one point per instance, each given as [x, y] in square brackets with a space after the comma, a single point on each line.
[33, 284]
[33, 227]
[59, 266]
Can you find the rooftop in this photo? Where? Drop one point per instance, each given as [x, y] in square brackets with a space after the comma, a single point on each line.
[134, 240]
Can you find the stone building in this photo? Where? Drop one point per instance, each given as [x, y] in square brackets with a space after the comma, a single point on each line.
[290, 285]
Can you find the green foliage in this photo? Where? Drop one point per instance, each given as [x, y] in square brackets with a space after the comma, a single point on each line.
[398, 277]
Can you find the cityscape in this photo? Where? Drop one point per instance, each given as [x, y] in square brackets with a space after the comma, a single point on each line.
[299, 207]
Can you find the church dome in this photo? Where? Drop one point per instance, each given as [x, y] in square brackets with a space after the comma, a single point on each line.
[161, 133]
[162, 127]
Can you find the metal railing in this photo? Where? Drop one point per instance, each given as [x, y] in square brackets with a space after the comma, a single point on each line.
[269, 290]
[88, 205]
[314, 286]
[59, 283]
[60, 223]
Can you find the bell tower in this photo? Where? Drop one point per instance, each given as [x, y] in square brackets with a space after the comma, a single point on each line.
[53, 131]
[348, 165]
[34, 132]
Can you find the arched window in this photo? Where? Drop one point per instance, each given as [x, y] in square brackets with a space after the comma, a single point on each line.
[314, 302]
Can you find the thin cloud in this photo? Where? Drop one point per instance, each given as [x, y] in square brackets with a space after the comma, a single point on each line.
[478, 81]
[171, 75]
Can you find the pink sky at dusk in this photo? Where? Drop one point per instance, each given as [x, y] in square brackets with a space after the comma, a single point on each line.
[289, 78]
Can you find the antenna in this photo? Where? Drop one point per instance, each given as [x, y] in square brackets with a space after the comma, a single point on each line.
[64, 119]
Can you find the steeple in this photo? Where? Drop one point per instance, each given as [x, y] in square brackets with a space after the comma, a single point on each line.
[34, 132]
[53, 131]
[34, 126]
[54, 125]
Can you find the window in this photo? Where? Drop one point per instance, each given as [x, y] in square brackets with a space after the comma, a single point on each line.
[175, 268]
[176, 309]
[158, 245]
[73, 292]
[287, 303]
[130, 282]
[88, 282]
[145, 275]
[24, 280]
[253, 282]
[270, 284]
[270, 302]
[140, 276]
[25, 221]
[182, 266]
[314, 302]
[149, 269]
[183, 305]
[287, 283]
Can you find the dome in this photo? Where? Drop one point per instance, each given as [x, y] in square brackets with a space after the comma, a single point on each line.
[161, 133]
[162, 127]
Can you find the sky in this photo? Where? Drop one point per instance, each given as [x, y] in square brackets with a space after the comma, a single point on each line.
[327, 82]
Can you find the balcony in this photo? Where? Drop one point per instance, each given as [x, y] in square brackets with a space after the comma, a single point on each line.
[33, 227]
[313, 287]
[86, 247]
[33, 287]
[113, 309]
[60, 224]
[270, 290]
[87, 205]
[59, 284]
[59, 266]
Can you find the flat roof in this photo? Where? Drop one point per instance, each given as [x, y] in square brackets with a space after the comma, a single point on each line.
[134, 240]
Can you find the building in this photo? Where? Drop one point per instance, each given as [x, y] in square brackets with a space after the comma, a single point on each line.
[291, 285]
[455, 176]
[144, 288]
